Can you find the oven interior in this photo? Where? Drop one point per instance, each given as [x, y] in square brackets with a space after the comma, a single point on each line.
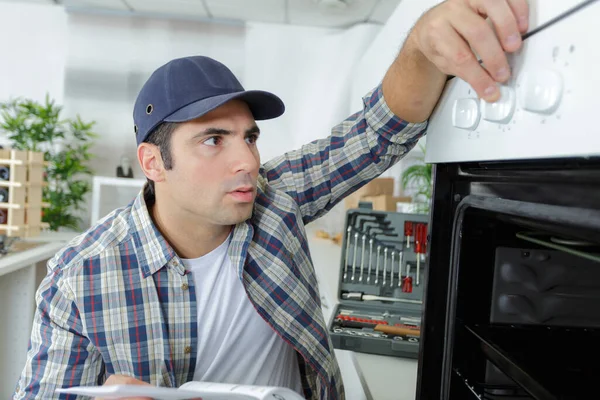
[525, 321]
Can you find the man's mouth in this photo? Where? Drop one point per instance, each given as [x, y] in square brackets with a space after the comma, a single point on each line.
[244, 194]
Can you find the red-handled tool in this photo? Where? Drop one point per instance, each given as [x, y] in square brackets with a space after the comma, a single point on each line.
[420, 245]
[408, 232]
[407, 281]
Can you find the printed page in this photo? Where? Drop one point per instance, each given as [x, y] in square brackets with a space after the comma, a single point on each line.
[122, 391]
[249, 392]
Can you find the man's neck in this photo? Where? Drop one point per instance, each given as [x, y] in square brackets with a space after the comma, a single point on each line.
[188, 237]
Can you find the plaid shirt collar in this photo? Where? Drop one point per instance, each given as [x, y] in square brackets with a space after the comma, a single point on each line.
[154, 251]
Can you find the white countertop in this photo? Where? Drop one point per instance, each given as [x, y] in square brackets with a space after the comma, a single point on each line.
[51, 242]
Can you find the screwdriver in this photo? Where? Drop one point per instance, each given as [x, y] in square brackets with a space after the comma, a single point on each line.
[407, 281]
[370, 297]
[420, 246]
[392, 330]
[408, 232]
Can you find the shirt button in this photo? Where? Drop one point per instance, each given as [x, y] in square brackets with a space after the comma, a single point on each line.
[184, 286]
[188, 349]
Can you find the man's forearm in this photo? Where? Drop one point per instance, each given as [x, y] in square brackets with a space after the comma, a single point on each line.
[412, 84]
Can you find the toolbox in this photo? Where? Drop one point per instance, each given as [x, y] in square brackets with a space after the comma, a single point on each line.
[381, 283]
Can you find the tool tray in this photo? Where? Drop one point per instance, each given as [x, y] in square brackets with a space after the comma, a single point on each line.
[365, 326]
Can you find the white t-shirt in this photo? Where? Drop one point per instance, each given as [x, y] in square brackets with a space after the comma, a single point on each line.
[235, 344]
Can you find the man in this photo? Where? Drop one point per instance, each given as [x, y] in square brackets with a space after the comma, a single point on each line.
[207, 274]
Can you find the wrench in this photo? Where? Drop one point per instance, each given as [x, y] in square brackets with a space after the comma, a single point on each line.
[348, 241]
[354, 259]
[400, 268]
[370, 259]
[362, 258]
[392, 269]
[385, 251]
[377, 267]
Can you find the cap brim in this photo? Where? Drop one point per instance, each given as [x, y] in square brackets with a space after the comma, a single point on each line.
[263, 105]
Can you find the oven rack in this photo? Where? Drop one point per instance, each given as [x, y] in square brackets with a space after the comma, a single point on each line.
[552, 242]
[560, 364]
[487, 391]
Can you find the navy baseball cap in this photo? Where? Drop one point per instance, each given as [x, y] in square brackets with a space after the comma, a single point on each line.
[187, 88]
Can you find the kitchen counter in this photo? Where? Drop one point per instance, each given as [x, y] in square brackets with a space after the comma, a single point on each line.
[21, 271]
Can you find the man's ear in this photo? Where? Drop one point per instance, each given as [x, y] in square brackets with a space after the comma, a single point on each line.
[151, 162]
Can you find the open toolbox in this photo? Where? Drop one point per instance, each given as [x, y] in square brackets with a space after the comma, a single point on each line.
[381, 283]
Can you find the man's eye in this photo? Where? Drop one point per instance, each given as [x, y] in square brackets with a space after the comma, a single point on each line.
[213, 141]
[252, 139]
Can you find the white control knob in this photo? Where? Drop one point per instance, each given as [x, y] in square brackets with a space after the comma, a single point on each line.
[465, 114]
[502, 110]
[540, 91]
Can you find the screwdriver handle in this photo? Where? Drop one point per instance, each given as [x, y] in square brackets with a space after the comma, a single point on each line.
[421, 238]
[407, 284]
[396, 330]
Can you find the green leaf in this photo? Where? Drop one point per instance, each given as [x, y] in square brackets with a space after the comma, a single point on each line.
[31, 125]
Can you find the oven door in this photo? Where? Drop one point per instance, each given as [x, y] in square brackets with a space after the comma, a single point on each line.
[512, 303]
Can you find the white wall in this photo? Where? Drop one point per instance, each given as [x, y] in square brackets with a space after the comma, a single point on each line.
[33, 52]
[383, 50]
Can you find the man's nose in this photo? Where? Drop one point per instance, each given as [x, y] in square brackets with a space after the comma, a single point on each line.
[244, 157]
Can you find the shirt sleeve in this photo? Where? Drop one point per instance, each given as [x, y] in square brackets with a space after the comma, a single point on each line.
[322, 173]
[59, 353]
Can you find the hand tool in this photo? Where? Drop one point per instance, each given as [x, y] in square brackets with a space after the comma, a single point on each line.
[347, 313]
[407, 281]
[392, 330]
[364, 219]
[400, 268]
[362, 257]
[408, 232]
[385, 251]
[366, 225]
[390, 236]
[370, 259]
[348, 320]
[420, 246]
[377, 267]
[411, 320]
[360, 332]
[369, 297]
[409, 339]
[354, 258]
[392, 269]
[357, 318]
[347, 260]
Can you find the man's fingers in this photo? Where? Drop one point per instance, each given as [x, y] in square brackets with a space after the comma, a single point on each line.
[456, 58]
[505, 23]
[480, 36]
[520, 9]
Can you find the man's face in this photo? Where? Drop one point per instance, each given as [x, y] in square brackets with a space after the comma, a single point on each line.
[215, 167]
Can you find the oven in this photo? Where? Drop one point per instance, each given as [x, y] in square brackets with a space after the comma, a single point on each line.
[512, 297]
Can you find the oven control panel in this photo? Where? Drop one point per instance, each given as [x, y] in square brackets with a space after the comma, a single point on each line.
[548, 108]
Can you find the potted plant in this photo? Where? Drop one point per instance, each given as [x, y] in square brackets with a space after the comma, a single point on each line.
[35, 126]
[419, 178]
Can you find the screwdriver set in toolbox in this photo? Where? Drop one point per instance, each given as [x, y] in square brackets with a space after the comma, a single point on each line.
[381, 283]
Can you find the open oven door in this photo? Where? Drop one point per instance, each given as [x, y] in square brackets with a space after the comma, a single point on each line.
[512, 303]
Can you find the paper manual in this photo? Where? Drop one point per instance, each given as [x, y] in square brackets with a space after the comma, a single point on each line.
[190, 390]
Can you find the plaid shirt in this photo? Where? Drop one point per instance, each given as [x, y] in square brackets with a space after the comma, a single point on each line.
[118, 300]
